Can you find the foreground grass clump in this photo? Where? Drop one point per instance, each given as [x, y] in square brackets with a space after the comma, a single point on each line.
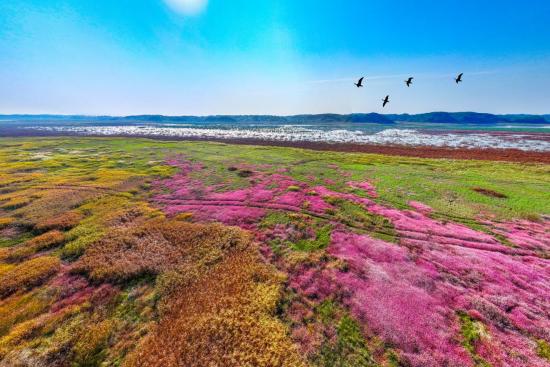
[472, 332]
[17, 309]
[224, 318]
[42, 242]
[156, 247]
[28, 274]
[110, 211]
[6, 221]
[350, 348]
[63, 221]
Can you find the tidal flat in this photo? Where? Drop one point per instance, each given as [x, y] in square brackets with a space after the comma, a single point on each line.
[141, 252]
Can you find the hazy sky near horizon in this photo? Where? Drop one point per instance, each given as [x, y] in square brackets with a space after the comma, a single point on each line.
[199, 57]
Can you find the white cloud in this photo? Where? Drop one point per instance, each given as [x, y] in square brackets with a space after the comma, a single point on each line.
[187, 7]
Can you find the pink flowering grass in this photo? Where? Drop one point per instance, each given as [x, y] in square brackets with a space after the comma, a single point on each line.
[421, 208]
[410, 298]
[235, 207]
[410, 293]
[527, 235]
[365, 186]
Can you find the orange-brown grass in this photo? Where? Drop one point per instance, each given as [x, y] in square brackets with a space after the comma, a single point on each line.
[28, 274]
[18, 308]
[15, 203]
[22, 334]
[91, 343]
[63, 221]
[44, 241]
[4, 254]
[53, 204]
[224, 318]
[156, 247]
[6, 221]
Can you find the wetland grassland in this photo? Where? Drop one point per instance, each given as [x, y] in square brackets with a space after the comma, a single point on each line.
[138, 252]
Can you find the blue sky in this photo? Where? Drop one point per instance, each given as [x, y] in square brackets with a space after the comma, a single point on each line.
[203, 57]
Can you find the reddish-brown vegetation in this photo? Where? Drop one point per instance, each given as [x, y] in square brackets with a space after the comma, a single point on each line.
[158, 246]
[63, 221]
[490, 193]
[225, 318]
[42, 242]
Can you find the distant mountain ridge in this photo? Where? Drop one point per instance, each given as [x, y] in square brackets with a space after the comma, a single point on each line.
[431, 117]
[470, 117]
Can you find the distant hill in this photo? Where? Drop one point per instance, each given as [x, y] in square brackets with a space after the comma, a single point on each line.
[431, 117]
[438, 117]
[328, 117]
[470, 118]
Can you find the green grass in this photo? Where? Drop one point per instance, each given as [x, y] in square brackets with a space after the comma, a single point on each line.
[356, 216]
[543, 349]
[321, 240]
[472, 331]
[350, 349]
[276, 217]
[14, 241]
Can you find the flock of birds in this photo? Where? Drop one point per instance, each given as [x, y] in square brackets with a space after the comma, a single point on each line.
[408, 82]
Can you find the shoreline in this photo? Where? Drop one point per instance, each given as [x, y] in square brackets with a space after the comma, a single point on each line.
[487, 154]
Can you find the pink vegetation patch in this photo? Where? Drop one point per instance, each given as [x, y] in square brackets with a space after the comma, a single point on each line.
[417, 230]
[421, 208]
[73, 290]
[410, 298]
[366, 186]
[528, 235]
[242, 207]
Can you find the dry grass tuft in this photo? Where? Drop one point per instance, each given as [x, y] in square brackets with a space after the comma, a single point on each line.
[15, 203]
[224, 318]
[6, 221]
[158, 246]
[63, 221]
[42, 242]
[28, 274]
[52, 204]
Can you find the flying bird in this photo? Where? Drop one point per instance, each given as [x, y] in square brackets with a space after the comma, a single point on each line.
[386, 101]
[459, 78]
[359, 83]
[409, 81]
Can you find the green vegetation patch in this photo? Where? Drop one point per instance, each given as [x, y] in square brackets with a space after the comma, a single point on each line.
[321, 240]
[350, 348]
[358, 217]
[472, 331]
[543, 349]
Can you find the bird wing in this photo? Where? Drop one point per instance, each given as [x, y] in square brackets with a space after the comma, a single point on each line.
[460, 76]
[361, 80]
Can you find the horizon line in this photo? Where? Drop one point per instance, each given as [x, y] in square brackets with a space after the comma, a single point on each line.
[276, 115]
